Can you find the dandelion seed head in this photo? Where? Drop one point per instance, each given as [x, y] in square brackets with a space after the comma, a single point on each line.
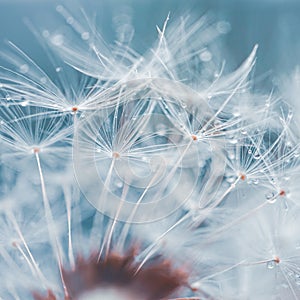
[194, 137]
[15, 244]
[155, 175]
[116, 155]
[36, 150]
[243, 176]
[118, 273]
[282, 193]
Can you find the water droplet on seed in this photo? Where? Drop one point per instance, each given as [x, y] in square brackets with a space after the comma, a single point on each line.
[24, 68]
[85, 35]
[256, 155]
[45, 33]
[57, 39]
[59, 8]
[223, 27]
[206, 56]
[70, 20]
[269, 195]
[271, 264]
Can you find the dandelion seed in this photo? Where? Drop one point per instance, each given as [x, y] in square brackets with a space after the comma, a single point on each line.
[194, 138]
[144, 176]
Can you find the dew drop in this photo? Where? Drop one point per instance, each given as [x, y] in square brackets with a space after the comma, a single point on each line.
[206, 56]
[269, 195]
[230, 179]
[231, 155]
[45, 33]
[70, 20]
[24, 103]
[85, 35]
[297, 279]
[57, 39]
[24, 68]
[58, 69]
[161, 132]
[272, 200]
[223, 27]
[201, 163]
[271, 264]
[118, 183]
[236, 113]
[183, 105]
[272, 180]
[256, 155]
[59, 8]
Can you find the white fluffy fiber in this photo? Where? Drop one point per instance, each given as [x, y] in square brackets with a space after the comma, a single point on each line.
[184, 158]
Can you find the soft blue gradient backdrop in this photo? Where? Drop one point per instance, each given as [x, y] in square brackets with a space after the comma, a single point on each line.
[273, 24]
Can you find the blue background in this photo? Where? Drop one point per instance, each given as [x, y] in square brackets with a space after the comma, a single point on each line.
[273, 24]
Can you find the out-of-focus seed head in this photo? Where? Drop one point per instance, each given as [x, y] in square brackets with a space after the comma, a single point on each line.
[117, 274]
